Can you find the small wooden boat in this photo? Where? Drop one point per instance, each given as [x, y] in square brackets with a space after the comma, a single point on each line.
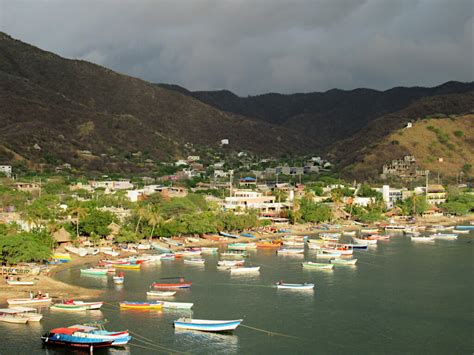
[330, 236]
[11, 316]
[241, 270]
[247, 235]
[290, 251]
[128, 266]
[20, 283]
[68, 307]
[172, 285]
[358, 246]
[88, 305]
[33, 300]
[364, 241]
[234, 254]
[29, 312]
[187, 253]
[313, 265]
[422, 238]
[268, 245]
[161, 293]
[440, 228]
[109, 252]
[445, 236]
[194, 261]
[470, 227]
[378, 237]
[78, 251]
[291, 243]
[304, 286]
[94, 271]
[461, 231]
[349, 233]
[62, 257]
[141, 305]
[176, 305]
[344, 261]
[96, 330]
[395, 228]
[324, 253]
[207, 325]
[65, 337]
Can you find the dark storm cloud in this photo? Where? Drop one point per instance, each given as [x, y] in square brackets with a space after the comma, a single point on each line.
[258, 46]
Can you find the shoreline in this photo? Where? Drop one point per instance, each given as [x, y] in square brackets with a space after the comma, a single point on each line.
[46, 283]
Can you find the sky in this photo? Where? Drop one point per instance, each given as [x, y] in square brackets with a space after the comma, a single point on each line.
[254, 47]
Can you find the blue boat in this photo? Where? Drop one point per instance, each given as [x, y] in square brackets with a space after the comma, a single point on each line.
[248, 235]
[465, 228]
[65, 337]
[206, 325]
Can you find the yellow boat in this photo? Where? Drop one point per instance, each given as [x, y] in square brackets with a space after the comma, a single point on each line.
[141, 305]
[127, 266]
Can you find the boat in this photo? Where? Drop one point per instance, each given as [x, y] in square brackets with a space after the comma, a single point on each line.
[290, 251]
[176, 305]
[141, 305]
[190, 253]
[241, 270]
[8, 315]
[229, 235]
[230, 263]
[445, 236]
[144, 246]
[330, 236]
[65, 337]
[328, 253]
[32, 300]
[207, 325]
[470, 227]
[292, 243]
[78, 251]
[109, 251]
[88, 305]
[29, 312]
[395, 228]
[195, 261]
[358, 246]
[440, 228]
[94, 271]
[304, 286]
[313, 265]
[160, 248]
[68, 307]
[62, 257]
[20, 283]
[422, 238]
[181, 284]
[314, 246]
[97, 331]
[461, 231]
[378, 237]
[247, 235]
[128, 266]
[344, 261]
[161, 293]
[364, 241]
[349, 233]
[268, 245]
[234, 254]
[241, 246]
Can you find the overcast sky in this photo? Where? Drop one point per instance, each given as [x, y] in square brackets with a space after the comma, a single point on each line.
[259, 46]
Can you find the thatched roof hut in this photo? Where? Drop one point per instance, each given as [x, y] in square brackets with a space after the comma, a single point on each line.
[62, 236]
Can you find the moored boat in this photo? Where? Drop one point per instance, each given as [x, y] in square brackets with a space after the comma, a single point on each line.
[8, 315]
[344, 261]
[29, 312]
[152, 293]
[181, 284]
[20, 283]
[313, 265]
[304, 286]
[445, 236]
[128, 266]
[422, 238]
[195, 261]
[65, 337]
[119, 279]
[209, 250]
[290, 251]
[364, 241]
[68, 307]
[461, 231]
[94, 271]
[32, 300]
[369, 230]
[230, 263]
[207, 325]
[97, 331]
[176, 305]
[141, 305]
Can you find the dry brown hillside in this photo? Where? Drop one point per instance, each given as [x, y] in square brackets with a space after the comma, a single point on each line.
[440, 145]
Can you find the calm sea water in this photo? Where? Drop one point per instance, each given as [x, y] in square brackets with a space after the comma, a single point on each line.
[401, 297]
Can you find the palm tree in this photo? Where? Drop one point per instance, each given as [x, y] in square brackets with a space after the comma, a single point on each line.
[142, 213]
[154, 218]
[80, 213]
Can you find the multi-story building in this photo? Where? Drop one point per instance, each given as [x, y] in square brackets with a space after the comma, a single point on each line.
[6, 170]
[436, 194]
[247, 199]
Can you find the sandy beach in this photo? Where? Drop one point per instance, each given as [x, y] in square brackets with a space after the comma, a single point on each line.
[47, 284]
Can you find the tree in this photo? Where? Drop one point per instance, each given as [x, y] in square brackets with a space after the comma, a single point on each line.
[97, 223]
[80, 213]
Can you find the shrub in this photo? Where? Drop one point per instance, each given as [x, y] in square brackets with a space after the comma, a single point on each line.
[458, 133]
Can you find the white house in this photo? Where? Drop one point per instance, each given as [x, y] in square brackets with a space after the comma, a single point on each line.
[181, 162]
[7, 170]
[248, 199]
[193, 158]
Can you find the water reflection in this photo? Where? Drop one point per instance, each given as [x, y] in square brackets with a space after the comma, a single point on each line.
[213, 342]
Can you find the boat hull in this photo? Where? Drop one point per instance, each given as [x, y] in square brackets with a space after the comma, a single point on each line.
[207, 326]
